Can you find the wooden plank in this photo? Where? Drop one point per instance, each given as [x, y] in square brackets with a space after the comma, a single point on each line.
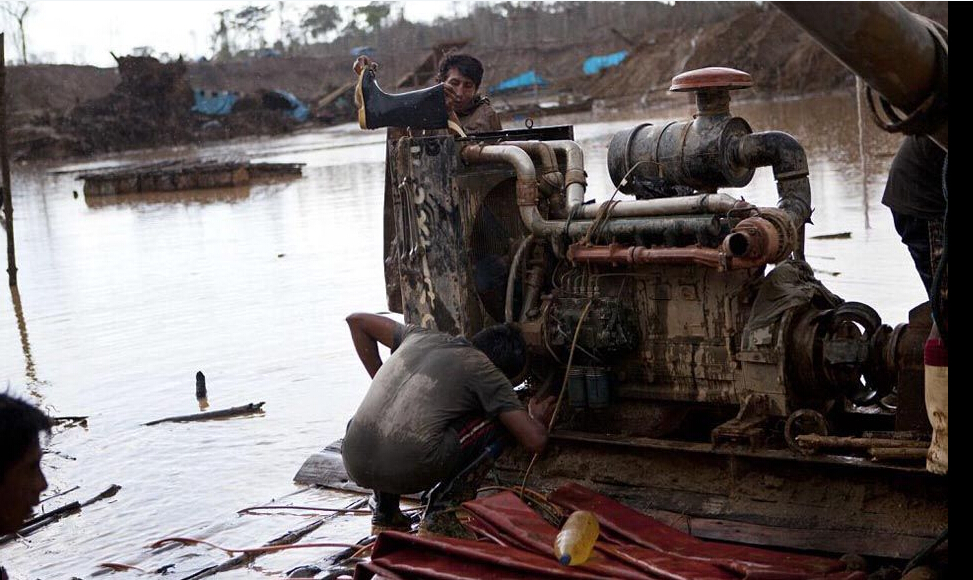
[886, 545]
[333, 95]
[326, 468]
[733, 451]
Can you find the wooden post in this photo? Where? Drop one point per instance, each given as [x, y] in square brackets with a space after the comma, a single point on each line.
[8, 210]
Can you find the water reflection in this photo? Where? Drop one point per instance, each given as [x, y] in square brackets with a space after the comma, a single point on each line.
[29, 371]
[196, 196]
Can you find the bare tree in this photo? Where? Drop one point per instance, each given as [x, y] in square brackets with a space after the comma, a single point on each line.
[250, 21]
[222, 48]
[373, 14]
[320, 20]
[18, 10]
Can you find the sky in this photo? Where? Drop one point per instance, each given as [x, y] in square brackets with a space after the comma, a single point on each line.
[87, 31]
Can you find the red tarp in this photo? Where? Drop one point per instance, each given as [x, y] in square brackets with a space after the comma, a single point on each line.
[632, 546]
[627, 525]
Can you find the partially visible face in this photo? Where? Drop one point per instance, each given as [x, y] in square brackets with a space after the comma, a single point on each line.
[21, 489]
[464, 87]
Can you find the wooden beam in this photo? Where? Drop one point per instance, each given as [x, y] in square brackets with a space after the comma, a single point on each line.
[8, 210]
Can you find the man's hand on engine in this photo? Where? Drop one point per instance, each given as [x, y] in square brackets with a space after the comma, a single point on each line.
[541, 409]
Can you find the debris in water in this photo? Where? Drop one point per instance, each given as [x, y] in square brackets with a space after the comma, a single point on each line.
[248, 409]
[837, 236]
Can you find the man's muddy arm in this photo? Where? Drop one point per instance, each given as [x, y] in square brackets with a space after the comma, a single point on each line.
[367, 330]
[530, 428]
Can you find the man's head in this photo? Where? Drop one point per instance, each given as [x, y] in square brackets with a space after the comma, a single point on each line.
[504, 346]
[21, 480]
[463, 73]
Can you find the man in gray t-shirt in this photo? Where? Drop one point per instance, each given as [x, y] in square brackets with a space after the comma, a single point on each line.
[433, 407]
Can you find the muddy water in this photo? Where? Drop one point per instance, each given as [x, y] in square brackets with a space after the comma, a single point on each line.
[122, 300]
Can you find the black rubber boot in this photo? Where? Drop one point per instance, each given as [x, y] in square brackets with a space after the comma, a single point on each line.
[386, 514]
[422, 109]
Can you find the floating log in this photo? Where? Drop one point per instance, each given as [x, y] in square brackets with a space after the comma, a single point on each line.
[65, 492]
[836, 236]
[69, 419]
[182, 175]
[248, 409]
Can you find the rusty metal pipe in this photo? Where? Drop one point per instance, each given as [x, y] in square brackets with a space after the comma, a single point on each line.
[551, 180]
[786, 156]
[526, 173]
[632, 255]
[575, 181]
[883, 43]
[756, 239]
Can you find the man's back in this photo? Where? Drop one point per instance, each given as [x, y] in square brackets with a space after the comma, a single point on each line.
[403, 437]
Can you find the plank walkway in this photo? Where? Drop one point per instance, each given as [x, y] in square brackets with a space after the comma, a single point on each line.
[182, 175]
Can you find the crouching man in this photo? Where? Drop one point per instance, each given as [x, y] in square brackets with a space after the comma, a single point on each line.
[437, 414]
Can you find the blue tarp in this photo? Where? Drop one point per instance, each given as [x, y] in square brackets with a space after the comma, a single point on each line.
[521, 81]
[594, 64]
[299, 110]
[213, 103]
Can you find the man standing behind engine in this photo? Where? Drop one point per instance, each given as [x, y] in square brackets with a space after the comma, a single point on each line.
[462, 75]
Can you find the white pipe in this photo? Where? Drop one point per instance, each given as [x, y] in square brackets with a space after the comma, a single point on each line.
[718, 203]
[527, 191]
[511, 154]
[574, 177]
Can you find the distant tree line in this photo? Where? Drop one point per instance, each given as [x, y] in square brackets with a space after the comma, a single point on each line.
[325, 29]
[242, 31]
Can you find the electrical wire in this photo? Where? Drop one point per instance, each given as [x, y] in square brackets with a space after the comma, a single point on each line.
[257, 550]
[353, 511]
[560, 396]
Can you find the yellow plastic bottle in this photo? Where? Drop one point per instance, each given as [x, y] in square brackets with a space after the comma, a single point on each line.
[577, 538]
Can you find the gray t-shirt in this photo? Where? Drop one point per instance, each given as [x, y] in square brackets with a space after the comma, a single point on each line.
[402, 439]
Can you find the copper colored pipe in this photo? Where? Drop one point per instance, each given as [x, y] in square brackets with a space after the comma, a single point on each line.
[619, 254]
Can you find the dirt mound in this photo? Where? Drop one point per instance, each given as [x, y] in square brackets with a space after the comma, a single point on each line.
[150, 106]
[758, 39]
[54, 88]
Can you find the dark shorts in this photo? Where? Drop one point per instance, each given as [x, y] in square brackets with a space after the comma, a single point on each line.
[924, 239]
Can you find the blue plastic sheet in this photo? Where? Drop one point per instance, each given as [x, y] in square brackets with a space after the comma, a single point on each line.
[213, 102]
[299, 110]
[521, 81]
[595, 64]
